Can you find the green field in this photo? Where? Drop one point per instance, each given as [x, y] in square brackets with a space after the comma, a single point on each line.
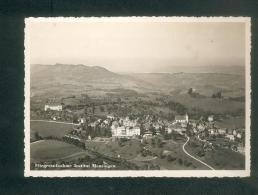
[52, 150]
[232, 123]
[46, 129]
[217, 106]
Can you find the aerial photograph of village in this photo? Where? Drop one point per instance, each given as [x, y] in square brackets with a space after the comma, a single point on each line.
[137, 96]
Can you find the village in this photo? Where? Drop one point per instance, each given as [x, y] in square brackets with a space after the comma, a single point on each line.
[111, 127]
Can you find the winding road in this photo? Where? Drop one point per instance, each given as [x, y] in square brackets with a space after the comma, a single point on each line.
[183, 147]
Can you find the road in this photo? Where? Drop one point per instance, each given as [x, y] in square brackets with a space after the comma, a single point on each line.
[183, 147]
[52, 121]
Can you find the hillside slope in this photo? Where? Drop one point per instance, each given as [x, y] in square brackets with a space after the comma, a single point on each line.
[63, 79]
[203, 83]
[60, 80]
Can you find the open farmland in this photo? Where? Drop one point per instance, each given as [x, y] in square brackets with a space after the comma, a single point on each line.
[217, 106]
[50, 150]
[45, 128]
[238, 122]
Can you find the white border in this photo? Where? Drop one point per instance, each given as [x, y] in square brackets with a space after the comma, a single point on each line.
[155, 173]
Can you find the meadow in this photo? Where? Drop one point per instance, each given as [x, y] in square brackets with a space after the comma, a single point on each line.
[52, 150]
[213, 105]
[46, 129]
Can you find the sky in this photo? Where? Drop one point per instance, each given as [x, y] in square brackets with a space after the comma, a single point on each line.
[138, 46]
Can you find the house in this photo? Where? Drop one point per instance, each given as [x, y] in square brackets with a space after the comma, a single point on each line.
[82, 120]
[168, 130]
[210, 118]
[229, 131]
[147, 135]
[177, 128]
[222, 131]
[180, 130]
[211, 131]
[230, 137]
[234, 132]
[201, 127]
[194, 125]
[110, 117]
[241, 149]
[182, 118]
[239, 135]
[106, 121]
[94, 124]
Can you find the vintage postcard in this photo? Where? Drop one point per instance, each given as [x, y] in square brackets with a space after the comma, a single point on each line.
[137, 96]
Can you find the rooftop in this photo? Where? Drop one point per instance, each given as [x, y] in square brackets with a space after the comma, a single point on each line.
[180, 117]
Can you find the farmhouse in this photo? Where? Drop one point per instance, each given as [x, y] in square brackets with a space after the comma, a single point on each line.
[181, 118]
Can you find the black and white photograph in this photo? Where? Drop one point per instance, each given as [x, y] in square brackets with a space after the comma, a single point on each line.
[137, 96]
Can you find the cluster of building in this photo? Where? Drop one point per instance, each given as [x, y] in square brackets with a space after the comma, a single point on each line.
[179, 125]
[124, 127]
[209, 129]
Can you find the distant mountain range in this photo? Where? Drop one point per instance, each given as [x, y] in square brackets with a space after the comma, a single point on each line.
[61, 80]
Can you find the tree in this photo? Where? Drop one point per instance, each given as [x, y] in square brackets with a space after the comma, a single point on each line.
[75, 119]
[37, 136]
[180, 161]
[152, 129]
[142, 129]
[217, 95]
[119, 100]
[93, 109]
[190, 91]
[171, 158]
[102, 109]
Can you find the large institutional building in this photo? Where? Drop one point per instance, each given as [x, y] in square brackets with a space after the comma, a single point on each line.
[56, 107]
[124, 131]
[182, 118]
[53, 104]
